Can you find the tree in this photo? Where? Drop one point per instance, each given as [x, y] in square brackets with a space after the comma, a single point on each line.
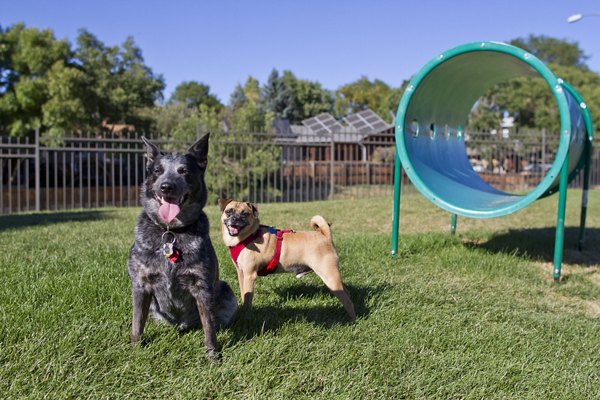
[246, 115]
[27, 55]
[553, 51]
[120, 82]
[45, 84]
[529, 100]
[277, 96]
[312, 98]
[193, 94]
[164, 119]
[65, 108]
[486, 115]
[253, 165]
[362, 94]
[237, 98]
[288, 97]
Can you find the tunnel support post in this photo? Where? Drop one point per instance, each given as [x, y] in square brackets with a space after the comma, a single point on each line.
[396, 207]
[453, 224]
[439, 98]
[584, 196]
[560, 221]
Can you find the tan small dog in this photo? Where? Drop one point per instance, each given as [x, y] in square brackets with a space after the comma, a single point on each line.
[258, 250]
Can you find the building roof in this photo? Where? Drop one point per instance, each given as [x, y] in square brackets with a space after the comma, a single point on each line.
[324, 127]
[367, 121]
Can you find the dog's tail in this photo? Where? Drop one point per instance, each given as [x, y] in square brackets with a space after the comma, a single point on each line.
[319, 224]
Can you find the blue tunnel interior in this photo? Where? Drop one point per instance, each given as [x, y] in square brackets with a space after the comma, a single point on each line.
[433, 114]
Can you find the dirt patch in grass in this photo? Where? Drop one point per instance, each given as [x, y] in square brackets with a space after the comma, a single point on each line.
[573, 302]
[592, 308]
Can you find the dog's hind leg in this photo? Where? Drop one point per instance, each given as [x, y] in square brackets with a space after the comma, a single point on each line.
[141, 305]
[226, 304]
[327, 270]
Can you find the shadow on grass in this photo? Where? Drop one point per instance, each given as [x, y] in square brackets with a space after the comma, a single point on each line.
[26, 220]
[251, 323]
[260, 319]
[538, 244]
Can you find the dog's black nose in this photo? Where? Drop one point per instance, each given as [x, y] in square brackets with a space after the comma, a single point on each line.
[167, 188]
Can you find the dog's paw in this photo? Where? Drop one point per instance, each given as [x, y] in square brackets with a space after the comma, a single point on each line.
[213, 356]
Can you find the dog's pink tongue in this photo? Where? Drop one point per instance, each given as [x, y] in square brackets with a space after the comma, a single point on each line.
[168, 211]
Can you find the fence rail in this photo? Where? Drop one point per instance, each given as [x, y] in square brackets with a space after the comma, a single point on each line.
[41, 173]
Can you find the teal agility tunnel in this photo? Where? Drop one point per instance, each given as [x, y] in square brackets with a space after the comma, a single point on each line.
[430, 146]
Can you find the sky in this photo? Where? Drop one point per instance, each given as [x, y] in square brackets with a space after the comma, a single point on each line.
[222, 42]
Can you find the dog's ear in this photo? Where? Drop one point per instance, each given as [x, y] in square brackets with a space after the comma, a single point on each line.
[199, 151]
[254, 209]
[223, 203]
[152, 152]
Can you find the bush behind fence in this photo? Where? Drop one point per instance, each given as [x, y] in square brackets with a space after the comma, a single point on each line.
[87, 171]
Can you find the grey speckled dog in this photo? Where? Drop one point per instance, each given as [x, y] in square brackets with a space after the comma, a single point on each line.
[172, 264]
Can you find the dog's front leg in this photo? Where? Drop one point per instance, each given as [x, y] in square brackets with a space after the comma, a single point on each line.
[207, 318]
[249, 280]
[141, 305]
[240, 275]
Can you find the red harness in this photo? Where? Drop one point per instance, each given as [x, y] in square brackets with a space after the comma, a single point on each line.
[272, 265]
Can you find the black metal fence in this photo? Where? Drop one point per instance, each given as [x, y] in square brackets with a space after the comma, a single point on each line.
[85, 171]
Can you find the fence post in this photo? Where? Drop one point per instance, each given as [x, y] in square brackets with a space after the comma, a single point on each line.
[37, 169]
[332, 166]
[543, 147]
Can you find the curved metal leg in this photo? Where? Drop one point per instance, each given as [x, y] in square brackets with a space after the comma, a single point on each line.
[560, 222]
[396, 209]
[453, 224]
[584, 199]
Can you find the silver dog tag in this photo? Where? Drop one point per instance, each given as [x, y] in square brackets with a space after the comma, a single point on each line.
[168, 249]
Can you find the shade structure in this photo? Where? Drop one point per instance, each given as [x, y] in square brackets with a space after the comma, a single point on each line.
[433, 113]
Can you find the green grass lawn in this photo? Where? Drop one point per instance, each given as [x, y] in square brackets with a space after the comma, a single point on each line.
[475, 315]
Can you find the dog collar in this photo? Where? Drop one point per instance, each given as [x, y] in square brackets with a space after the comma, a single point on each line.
[272, 265]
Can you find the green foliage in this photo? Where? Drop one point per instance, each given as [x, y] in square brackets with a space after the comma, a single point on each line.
[313, 98]
[246, 114]
[164, 118]
[255, 159]
[362, 94]
[45, 84]
[553, 51]
[278, 97]
[256, 156]
[27, 56]
[288, 97]
[193, 94]
[120, 82]
[29, 52]
[529, 100]
[65, 108]
[486, 115]
[191, 128]
[587, 83]
[238, 98]
[251, 170]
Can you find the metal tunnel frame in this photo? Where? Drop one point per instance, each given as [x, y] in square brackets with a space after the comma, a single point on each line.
[429, 131]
